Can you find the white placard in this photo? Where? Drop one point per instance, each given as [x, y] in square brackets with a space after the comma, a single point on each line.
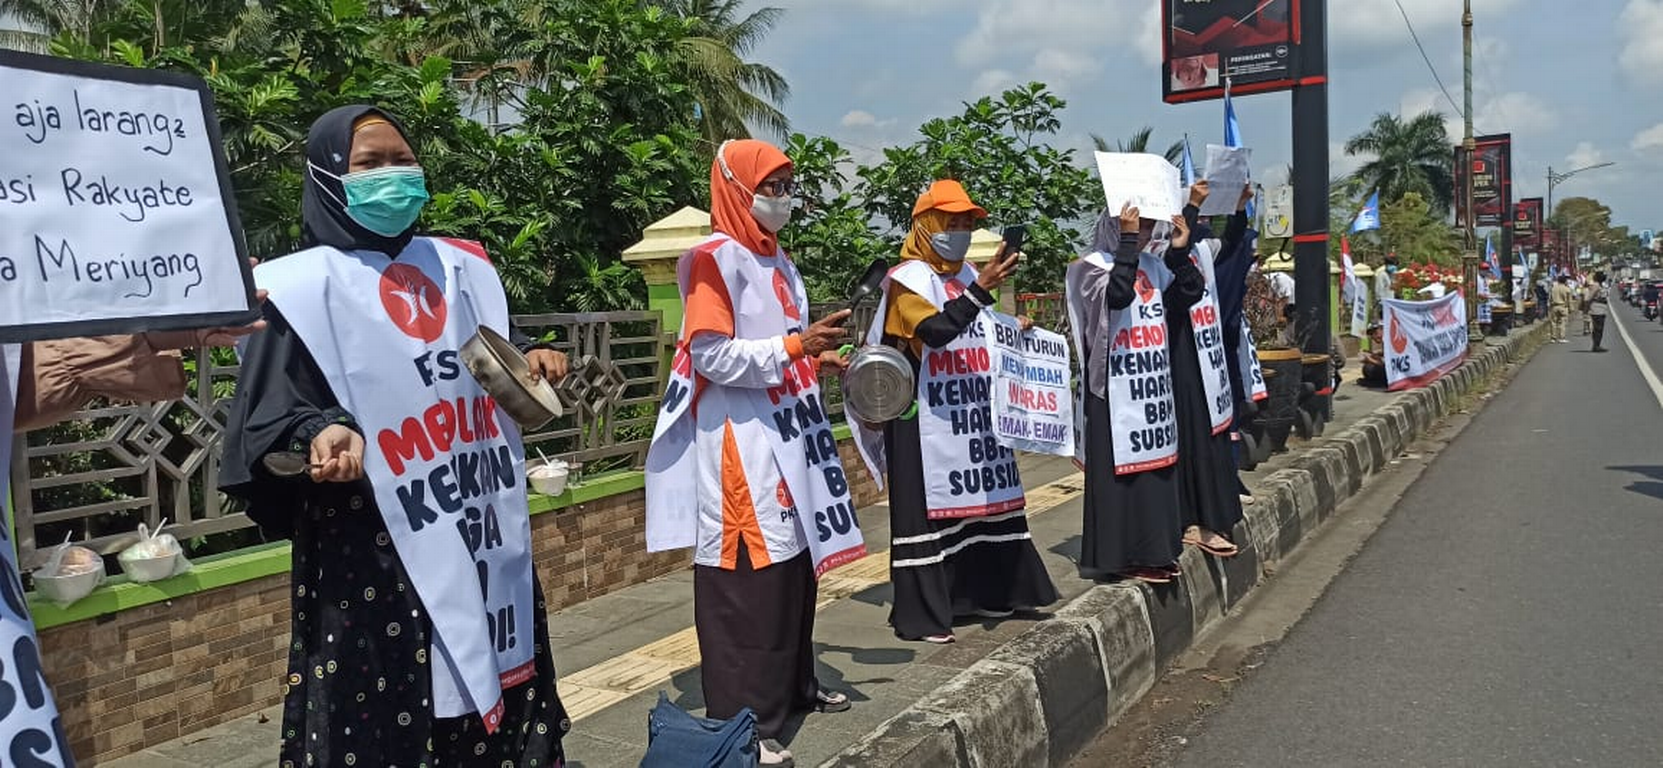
[1424, 339]
[1279, 212]
[1227, 173]
[114, 209]
[1144, 181]
[1032, 401]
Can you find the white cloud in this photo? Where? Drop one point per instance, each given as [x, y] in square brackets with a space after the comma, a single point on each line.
[1379, 23]
[1584, 155]
[1641, 26]
[1341, 164]
[1054, 65]
[993, 81]
[1515, 112]
[1649, 141]
[859, 118]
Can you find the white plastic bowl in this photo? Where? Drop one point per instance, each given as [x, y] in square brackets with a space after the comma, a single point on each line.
[548, 478]
[150, 568]
[64, 590]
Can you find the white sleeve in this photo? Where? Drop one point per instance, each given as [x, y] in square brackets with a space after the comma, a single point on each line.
[746, 363]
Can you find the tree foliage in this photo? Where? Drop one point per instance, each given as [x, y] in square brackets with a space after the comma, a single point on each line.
[1406, 156]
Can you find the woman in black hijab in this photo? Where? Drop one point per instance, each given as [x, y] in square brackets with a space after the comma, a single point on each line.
[359, 689]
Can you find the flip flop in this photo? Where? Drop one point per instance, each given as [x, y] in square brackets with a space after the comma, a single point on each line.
[1148, 575]
[830, 701]
[1230, 550]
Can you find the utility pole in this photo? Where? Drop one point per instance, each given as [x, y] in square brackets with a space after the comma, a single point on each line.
[1310, 180]
[1469, 259]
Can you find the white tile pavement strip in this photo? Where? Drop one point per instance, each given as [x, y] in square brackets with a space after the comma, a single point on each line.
[1020, 692]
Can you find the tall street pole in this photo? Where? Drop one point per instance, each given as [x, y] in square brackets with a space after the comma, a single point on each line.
[1310, 179]
[1469, 259]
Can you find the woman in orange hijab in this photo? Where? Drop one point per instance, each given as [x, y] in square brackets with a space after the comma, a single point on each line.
[734, 470]
[960, 541]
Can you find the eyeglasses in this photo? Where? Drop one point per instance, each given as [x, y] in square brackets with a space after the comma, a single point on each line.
[781, 188]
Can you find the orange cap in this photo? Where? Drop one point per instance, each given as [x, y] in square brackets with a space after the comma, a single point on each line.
[947, 195]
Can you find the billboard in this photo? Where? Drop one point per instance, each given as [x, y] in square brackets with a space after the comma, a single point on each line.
[1491, 170]
[1251, 43]
[1527, 221]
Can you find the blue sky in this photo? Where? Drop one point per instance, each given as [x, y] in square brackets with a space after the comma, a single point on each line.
[1576, 83]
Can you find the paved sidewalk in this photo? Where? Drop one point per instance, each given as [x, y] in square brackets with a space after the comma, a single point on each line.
[616, 652]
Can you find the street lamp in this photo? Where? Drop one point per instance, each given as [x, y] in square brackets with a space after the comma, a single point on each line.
[1555, 179]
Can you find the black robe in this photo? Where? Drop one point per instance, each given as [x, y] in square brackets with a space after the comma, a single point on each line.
[1131, 520]
[947, 568]
[359, 686]
[1207, 483]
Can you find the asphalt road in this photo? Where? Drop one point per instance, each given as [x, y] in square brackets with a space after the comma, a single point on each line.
[1510, 610]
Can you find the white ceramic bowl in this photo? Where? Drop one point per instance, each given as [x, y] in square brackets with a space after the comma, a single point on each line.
[150, 568]
[67, 589]
[548, 479]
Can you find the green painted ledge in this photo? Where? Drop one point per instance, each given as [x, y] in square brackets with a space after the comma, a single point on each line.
[218, 571]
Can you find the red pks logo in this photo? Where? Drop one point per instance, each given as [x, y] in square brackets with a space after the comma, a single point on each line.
[413, 302]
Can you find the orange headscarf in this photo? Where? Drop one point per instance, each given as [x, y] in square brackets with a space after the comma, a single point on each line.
[749, 161]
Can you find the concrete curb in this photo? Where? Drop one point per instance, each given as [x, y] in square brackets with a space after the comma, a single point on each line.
[1042, 697]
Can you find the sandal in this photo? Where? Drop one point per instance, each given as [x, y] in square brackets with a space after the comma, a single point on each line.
[773, 755]
[1148, 575]
[1219, 546]
[831, 701]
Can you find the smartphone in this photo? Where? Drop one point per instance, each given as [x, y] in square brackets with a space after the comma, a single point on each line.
[1015, 235]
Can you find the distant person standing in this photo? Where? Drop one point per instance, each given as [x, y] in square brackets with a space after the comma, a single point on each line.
[1599, 304]
[1559, 298]
[1383, 279]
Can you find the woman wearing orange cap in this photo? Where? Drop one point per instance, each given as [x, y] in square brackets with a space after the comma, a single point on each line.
[960, 541]
[738, 467]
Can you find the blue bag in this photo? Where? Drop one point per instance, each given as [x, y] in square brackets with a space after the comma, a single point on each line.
[676, 739]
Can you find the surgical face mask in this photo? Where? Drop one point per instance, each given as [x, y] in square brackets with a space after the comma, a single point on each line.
[951, 246]
[773, 213]
[384, 200]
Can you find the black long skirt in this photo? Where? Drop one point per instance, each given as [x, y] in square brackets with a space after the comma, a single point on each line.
[360, 686]
[1130, 520]
[756, 639]
[947, 568]
[1208, 493]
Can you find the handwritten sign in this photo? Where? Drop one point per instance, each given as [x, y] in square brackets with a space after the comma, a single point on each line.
[1424, 339]
[116, 212]
[1144, 181]
[1031, 392]
[1227, 173]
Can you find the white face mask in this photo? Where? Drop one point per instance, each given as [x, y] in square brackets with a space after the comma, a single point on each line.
[951, 246]
[773, 213]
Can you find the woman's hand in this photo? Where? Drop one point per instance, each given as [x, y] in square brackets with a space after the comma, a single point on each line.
[998, 269]
[1246, 195]
[547, 364]
[1199, 192]
[1128, 219]
[833, 363]
[1180, 232]
[1024, 322]
[827, 334]
[338, 454]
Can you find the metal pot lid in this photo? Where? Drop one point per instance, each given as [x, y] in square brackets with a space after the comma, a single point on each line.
[879, 385]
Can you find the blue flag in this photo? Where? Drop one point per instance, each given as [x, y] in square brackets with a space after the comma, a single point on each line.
[1369, 217]
[1232, 136]
[1491, 263]
[1188, 167]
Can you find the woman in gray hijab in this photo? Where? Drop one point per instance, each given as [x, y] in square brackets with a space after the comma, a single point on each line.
[1118, 298]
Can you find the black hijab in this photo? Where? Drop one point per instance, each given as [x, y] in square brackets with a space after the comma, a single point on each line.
[324, 220]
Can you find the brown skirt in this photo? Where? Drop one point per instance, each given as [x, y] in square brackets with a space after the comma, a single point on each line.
[756, 643]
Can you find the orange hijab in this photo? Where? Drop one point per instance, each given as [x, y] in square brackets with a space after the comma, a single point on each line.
[748, 161]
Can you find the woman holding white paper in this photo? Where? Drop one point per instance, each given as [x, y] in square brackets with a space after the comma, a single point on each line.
[386, 663]
[959, 545]
[1119, 299]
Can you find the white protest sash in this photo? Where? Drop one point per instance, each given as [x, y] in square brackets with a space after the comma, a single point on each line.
[1208, 329]
[967, 473]
[1424, 339]
[794, 416]
[1142, 420]
[447, 468]
[1247, 354]
[29, 722]
[1031, 392]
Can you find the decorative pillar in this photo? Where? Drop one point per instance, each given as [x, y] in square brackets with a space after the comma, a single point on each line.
[662, 244]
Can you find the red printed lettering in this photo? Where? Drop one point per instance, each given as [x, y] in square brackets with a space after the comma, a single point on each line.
[404, 445]
[1140, 337]
[960, 362]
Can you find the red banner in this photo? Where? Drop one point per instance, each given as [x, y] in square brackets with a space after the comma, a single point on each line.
[1527, 222]
[1251, 43]
[1491, 171]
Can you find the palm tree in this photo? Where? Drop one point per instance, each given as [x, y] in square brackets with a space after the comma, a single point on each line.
[1407, 156]
[1139, 142]
[40, 20]
[732, 94]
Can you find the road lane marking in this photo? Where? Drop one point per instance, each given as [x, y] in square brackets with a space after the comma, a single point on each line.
[1646, 371]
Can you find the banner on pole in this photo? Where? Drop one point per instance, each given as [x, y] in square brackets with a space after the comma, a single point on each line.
[1251, 44]
[1527, 222]
[1032, 402]
[1424, 339]
[1491, 170]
